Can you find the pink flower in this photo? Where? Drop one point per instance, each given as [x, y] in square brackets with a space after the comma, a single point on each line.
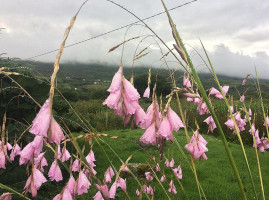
[211, 123]
[71, 185]
[139, 115]
[125, 169]
[42, 121]
[146, 93]
[109, 175]
[123, 96]
[55, 172]
[242, 98]
[148, 176]
[174, 120]
[244, 81]
[75, 166]
[178, 172]
[186, 82]
[249, 112]
[65, 155]
[40, 162]
[151, 123]
[35, 181]
[149, 137]
[218, 94]
[98, 196]
[267, 122]
[264, 144]
[163, 178]
[65, 195]
[172, 188]
[165, 130]
[83, 183]
[202, 108]
[113, 190]
[122, 184]
[56, 134]
[197, 146]
[6, 196]
[149, 190]
[137, 192]
[8, 146]
[239, 121]
[170, 164]
[2, 160]
[151, 114]
[104, 191]
[158, 167]
[91, 158]
[15, 151]
[31, 150]
[232, 109]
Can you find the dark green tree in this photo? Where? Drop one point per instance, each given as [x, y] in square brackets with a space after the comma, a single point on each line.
[163, 84]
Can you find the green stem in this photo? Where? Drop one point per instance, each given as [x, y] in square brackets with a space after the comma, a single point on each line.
[12, 191]
[260, 95]
[204, 95]
[234, 121]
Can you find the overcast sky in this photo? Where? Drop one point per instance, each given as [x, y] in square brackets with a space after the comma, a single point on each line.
[236, 33]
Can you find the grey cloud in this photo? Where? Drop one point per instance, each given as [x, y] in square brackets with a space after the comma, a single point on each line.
[34, 27]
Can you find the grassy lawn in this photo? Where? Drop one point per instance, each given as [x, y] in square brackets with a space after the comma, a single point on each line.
[215, 175]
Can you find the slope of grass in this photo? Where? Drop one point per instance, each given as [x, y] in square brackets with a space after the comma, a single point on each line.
[215, 174]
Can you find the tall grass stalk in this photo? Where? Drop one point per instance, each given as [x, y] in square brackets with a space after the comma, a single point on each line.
[234, 121]
[260, 97]
[256, 151]
[204, 95]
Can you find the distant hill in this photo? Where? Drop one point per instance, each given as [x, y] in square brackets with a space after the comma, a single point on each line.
[78, 74]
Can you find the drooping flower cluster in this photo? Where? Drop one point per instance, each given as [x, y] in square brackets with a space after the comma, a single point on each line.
[45, 125]
[34, 181]
[151, 123]
[211, 123]
[261, 143]
[241, 123]
[197, 146]
[170, 123]
[172, 188]
[104, 192]
[217, 93]
[123, 98]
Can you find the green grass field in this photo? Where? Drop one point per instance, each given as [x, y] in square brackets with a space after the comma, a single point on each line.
[215, 175]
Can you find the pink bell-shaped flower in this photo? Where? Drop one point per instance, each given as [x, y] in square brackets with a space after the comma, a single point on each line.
[197, 146]
[42, 121]
[186, 82]
[75, 166]
[109, 175]
[15, 151]
[35, 181]
[217, 93]
[55, 172]
[83, 183]
[147, 93]
[211, 123]
[148, 176]
[6, 196]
